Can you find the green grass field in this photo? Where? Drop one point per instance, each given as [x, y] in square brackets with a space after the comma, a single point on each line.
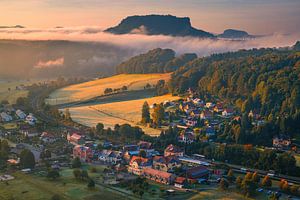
[35, 187]
[12, 95]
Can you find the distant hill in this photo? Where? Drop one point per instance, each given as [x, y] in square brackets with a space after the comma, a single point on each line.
[154, 61]
[16, 26]
[232, 33]
[158, 25]
[297, 46]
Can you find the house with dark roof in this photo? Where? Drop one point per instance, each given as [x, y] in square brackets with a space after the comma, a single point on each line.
[84, 153]
[159, 176]
[167, 164]
[187, 137]
[173, 150]
[111, 157]
[197, 172]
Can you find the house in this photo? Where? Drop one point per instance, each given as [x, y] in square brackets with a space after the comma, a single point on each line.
[111, 157]
[30, 132]
[206, 114]
[218, 108]
[180, 182]
[227, 112]
[47, 137]
[167, 164]
[281, 141]
[195, 113]
[209, 105]
[159, 176]
[144, 145]
[75, 139]
[131, 147]
[173, 150]
[30, 119]
[197, 172]
[84, 153]
[191, 122]
[198, 101]
[187, 137]
[5, 117]
[137, 164]
[20, 114]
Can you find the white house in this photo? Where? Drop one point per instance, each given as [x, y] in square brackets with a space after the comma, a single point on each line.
[5, 117]
[20, 114]
[228, 112]
[30, 119]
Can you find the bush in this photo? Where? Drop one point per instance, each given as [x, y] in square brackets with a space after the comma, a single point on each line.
[91, 183]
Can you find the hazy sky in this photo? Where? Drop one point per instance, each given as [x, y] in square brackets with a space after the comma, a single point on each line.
[255, 16]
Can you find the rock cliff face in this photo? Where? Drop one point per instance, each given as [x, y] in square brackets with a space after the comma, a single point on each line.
[158, 25]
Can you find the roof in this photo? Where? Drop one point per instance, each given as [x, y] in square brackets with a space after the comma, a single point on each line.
[180, 180]
[81, 148]
[144, 144]
[46, 134]
[76, 136]
[165, 160]
[172, 148]
[158, 173]
[199, 170]
[229, 110]
[140, 160]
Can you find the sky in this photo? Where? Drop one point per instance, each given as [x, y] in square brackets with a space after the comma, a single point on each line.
[254, 16]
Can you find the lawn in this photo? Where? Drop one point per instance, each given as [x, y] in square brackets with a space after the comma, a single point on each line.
[116, 113]
[12, 95]
[91, 89]
[35, 187]
[9, 126]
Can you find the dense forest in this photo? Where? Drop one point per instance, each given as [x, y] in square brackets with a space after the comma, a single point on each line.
[155, 61]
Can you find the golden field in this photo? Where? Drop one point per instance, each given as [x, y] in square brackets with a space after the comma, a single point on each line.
[91, 89]
[117, 113]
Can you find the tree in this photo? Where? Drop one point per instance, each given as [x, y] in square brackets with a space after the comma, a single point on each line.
[77, 173]
[255, 177]
[67, 114]
[124, 88]
[158, 114]
[143, 153]
[56, 197]
[224, 184]
[108, 90]
[84, 174]
[76, 163]
[238, 182]
[91, 183]
[266, 182]
[27, 159]
[145, 113]
[230, 175]
[53, 174]
[45, 154]
[99, 127]
[248, 186]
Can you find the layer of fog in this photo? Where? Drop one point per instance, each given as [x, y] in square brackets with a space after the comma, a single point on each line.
[98, 52]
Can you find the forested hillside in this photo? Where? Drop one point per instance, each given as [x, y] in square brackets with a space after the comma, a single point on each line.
[266, 81]
[154, 61]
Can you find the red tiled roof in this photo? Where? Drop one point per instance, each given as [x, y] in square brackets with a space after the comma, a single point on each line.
[158, 173]
[172, 148]
[138, 159]
[180, 180]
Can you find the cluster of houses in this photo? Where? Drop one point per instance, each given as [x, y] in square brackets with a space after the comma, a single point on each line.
[10, 114]
[142, 160]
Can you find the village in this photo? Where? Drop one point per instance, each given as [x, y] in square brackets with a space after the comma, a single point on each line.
[198, 121]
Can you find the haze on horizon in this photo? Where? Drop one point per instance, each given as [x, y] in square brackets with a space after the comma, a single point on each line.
[255, 16]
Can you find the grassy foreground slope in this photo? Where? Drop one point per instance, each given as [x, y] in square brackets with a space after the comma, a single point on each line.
[91, 89]
[117, 113]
